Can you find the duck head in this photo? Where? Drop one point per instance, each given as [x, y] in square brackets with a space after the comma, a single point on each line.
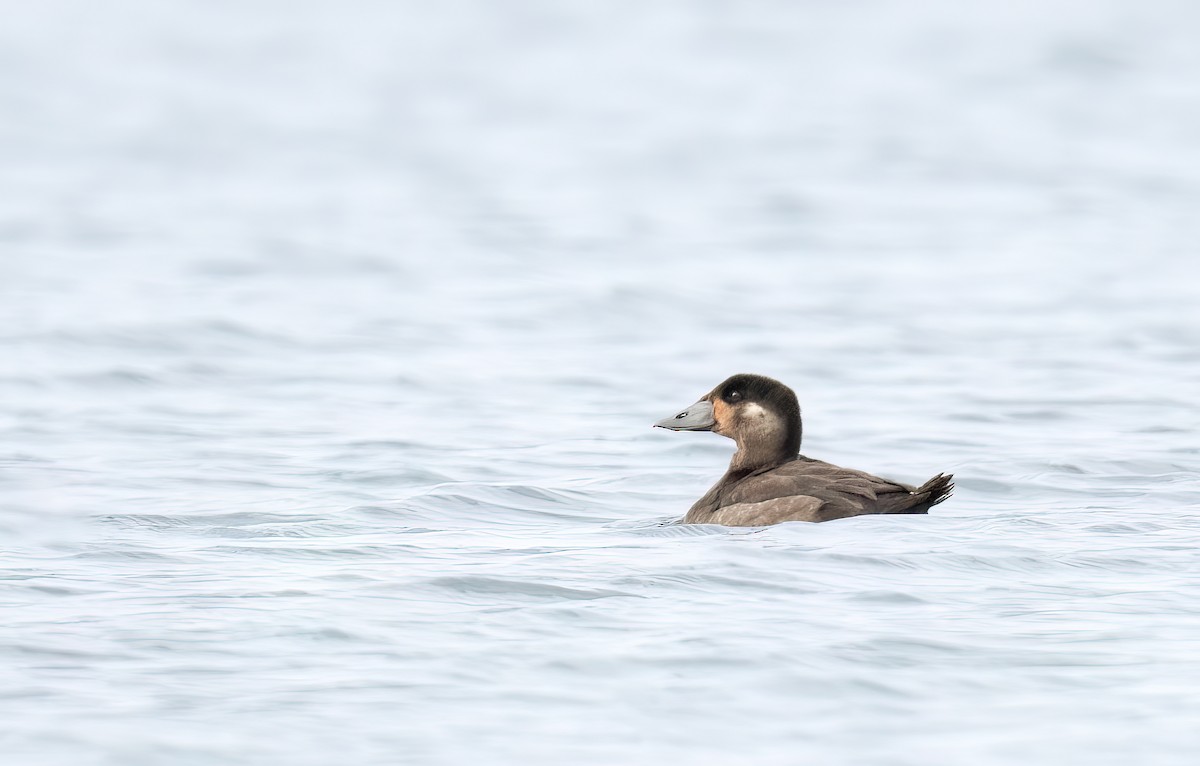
[759, 413]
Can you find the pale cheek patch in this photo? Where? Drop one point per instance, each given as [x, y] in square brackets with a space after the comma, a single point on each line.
[757, 420]
[754, 411]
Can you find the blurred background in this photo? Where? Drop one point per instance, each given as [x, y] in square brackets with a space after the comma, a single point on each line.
[362, 311]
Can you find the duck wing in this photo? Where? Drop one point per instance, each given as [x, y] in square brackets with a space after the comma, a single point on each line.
[813, 490]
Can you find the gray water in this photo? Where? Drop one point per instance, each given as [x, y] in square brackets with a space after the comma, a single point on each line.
[332, 334]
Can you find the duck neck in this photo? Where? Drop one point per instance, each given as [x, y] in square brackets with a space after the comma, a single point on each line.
[773, 442]
[751, 457]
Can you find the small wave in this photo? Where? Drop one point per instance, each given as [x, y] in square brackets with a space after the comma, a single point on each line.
[496, 503]
[489, 586]
[175, 521]
[121, 377]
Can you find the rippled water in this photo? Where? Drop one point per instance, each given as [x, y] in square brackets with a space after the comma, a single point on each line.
[333, 333]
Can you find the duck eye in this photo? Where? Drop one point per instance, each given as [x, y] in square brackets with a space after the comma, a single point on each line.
[735, 395]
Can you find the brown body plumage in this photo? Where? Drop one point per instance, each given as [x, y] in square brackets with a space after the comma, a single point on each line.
[768, 481]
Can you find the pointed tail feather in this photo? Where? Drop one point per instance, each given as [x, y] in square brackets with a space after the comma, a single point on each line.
[936, 489]
[921, 499]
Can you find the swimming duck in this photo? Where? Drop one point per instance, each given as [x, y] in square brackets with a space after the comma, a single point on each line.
[768, 480]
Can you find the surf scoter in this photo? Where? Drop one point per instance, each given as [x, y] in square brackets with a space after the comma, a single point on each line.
[768, 481]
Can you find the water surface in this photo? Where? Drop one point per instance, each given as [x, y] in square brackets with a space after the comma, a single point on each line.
[333, 336]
